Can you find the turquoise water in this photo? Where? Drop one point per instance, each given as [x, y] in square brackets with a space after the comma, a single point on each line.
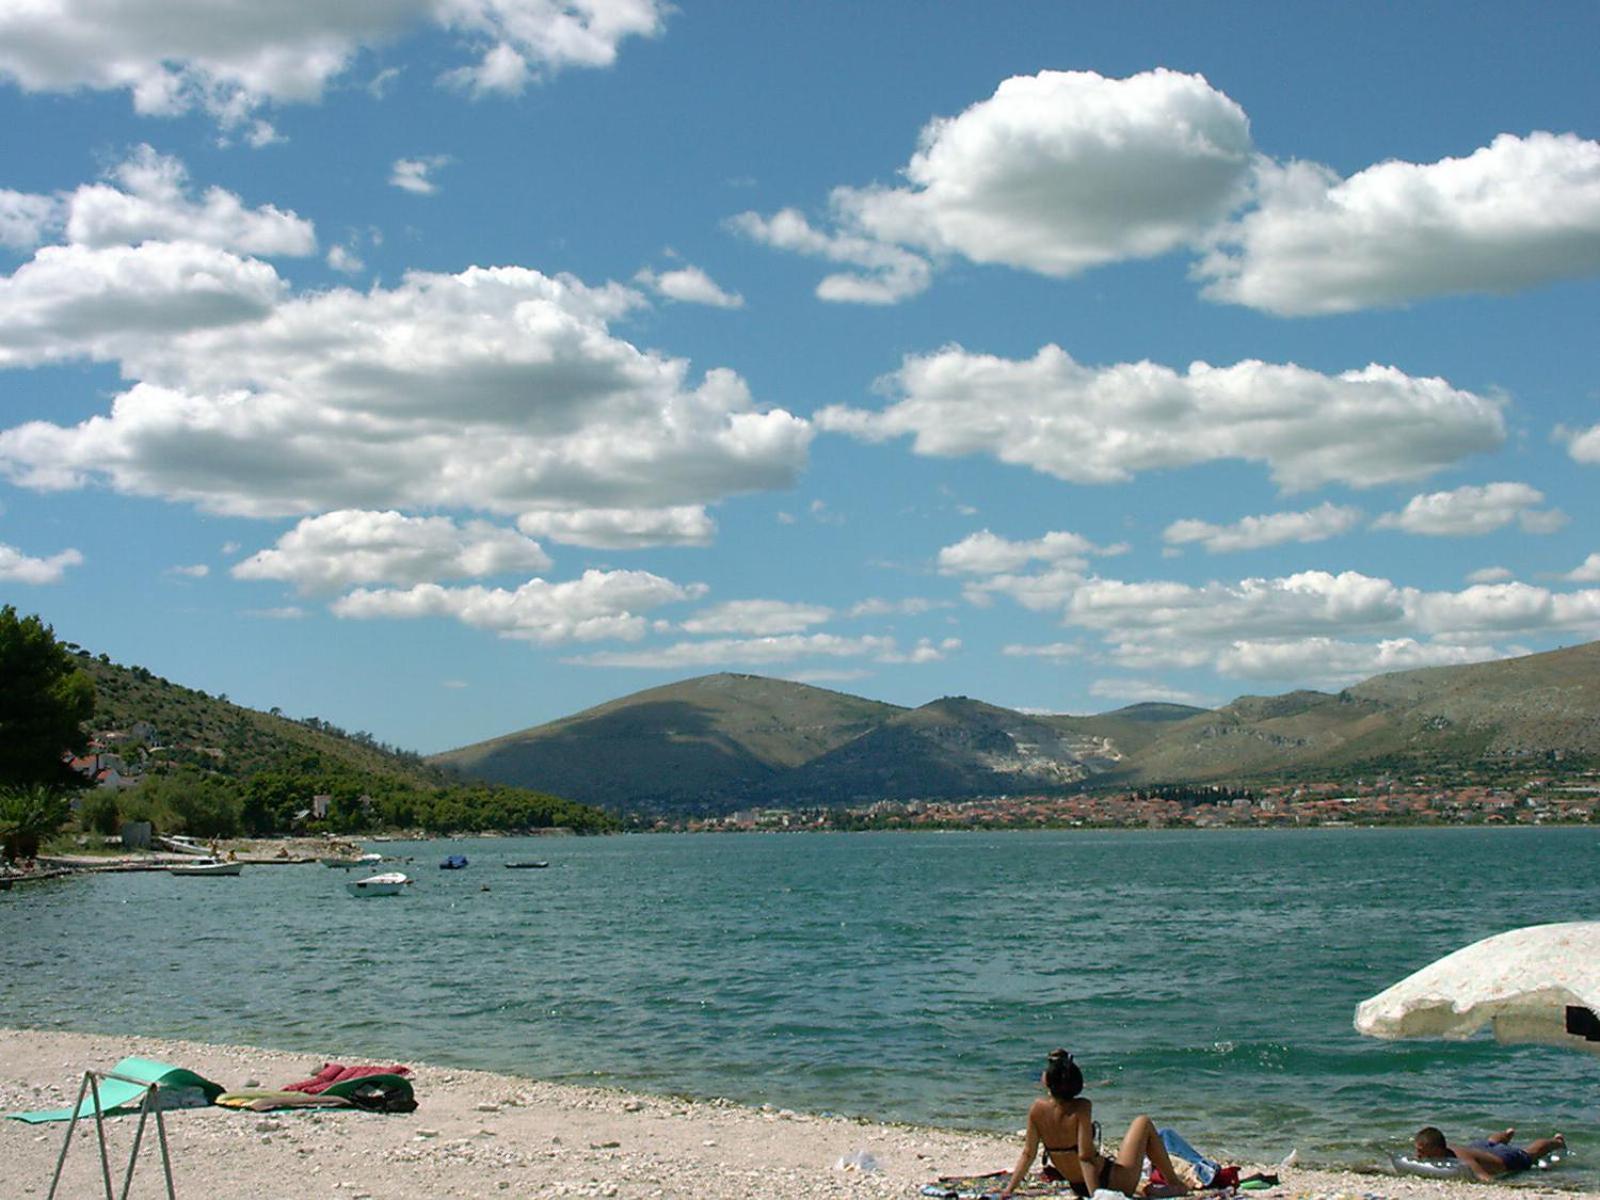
[1208, 978]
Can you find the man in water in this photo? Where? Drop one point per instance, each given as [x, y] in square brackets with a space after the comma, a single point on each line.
[1490, 1156]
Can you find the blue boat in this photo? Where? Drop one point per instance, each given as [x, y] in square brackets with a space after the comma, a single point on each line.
[453, 862]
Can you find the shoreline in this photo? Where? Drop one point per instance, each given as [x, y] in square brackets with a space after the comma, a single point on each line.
[482, 1134]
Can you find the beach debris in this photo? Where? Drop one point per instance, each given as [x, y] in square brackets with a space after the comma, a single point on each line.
[427, 1133]
[486, 1107]
[862, 1160]
[632, 1106]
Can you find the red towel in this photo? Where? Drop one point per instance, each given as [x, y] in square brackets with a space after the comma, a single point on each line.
[332, 1073]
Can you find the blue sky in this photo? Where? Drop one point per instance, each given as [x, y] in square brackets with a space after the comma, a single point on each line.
[442, 369]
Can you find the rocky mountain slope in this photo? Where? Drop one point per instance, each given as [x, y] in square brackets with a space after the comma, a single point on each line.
[723, 742]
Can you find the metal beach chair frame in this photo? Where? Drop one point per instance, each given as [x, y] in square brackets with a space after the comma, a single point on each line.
[150, 1104]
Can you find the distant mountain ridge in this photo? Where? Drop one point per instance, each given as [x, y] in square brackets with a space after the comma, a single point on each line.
[722, 742]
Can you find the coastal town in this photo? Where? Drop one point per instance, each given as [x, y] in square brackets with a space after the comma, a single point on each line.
[1566, 799]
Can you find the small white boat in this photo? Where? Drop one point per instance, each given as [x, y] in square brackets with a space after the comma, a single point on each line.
[214, 866]
[364, 860]
[392, 883]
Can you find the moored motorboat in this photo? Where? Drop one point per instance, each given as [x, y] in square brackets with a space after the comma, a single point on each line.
[347, 863]
[391, 883]
[213, 867]
[453, 862]
[525, 866]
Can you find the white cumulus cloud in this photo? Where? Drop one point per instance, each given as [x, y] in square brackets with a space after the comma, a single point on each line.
[1588, 571]
[1519, 212]
[337, 550]
[598, 606]
[233, 58]
[1055, 173]
[760, 618]
[496, 389]
[415, 175]
[1271, 529]
[17, 567]
[986, 553]
[1104, 425]
[154, 203]
[76, 301]
[887, 274]
[689, 285]
[1471, 510]
[623, 528]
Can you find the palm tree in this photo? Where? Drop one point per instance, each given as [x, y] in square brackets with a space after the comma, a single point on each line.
[28, 815]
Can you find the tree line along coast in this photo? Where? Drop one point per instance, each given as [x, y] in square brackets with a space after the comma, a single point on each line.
[87, 746]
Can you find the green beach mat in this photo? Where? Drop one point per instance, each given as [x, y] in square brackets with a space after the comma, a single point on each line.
[118, 1097]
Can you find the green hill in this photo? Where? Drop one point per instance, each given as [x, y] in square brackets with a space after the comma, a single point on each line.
[705, 744]
[723, 742]
[1540, 706]
[214, 735]
[205, 765]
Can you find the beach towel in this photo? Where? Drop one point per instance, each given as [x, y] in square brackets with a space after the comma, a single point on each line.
[975, 1187]
[331, 1073]
[269, 1100]
[180, 1088]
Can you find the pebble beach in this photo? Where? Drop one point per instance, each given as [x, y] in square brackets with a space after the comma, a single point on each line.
[479, 1134]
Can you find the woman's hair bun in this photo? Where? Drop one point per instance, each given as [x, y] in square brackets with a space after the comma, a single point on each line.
[1062, 1076]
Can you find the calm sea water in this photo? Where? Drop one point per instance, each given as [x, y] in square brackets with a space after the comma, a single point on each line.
[1208, 978]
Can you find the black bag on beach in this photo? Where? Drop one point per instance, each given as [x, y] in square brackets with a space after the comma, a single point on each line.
[388, 1094]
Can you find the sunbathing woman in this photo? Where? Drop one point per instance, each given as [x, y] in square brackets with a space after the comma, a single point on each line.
[1061, 1123]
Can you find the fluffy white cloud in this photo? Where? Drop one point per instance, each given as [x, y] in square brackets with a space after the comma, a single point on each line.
[338, 550]
[888, 273]
[623, 528]
[1272, 529]
[497, 389]
[1055, 173]
[415, 175]
[766, 651]
[232, 58]
[1475, 510]
[1518, 212]
[345, 260]
[17, 567]
[190, 571]
[26, 219]
[1064, 170]
[154, 203]
[1104, 425]
[598, 606]
[1313, 626]
[75, 301]
[986, 553]
[689, 285]
[760, 618]
[1584, 444]
[911, 606]
[1490, 575]
[1588, 571]
[1328, 662]
[925, 651]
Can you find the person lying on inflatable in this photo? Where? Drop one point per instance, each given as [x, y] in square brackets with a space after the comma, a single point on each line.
[1486, 1157]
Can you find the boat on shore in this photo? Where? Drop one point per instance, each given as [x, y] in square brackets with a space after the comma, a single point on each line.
[526, 866]
[214, 867]
[391, 883]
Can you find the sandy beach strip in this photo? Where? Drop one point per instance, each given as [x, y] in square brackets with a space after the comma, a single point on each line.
[477, 1134]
